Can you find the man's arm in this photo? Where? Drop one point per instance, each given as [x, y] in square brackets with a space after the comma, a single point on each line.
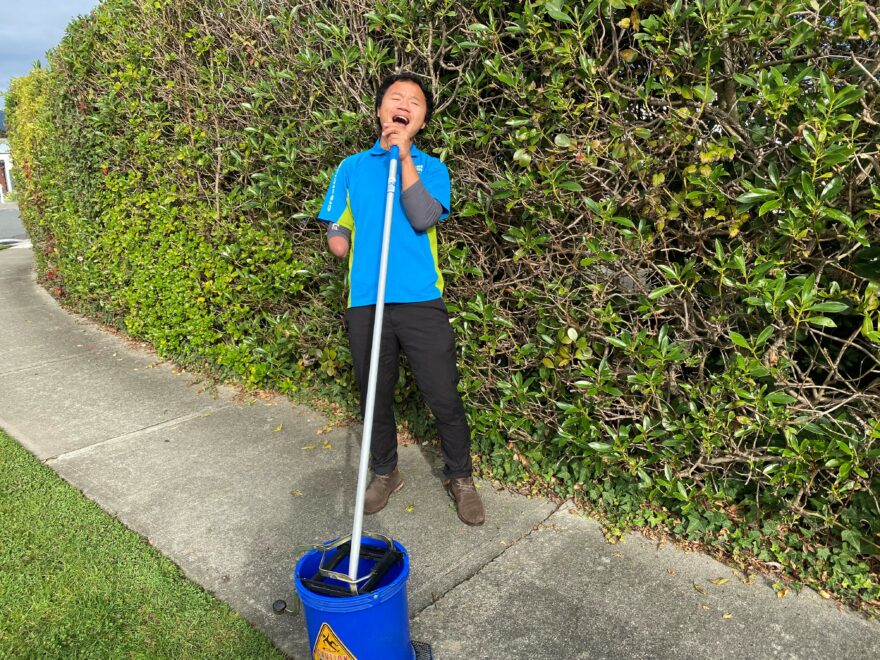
[422, 209]
[408, 173]
[336, 212]
[338, 239]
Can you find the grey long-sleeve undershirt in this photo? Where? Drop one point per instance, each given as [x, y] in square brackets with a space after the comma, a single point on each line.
[422, 210]
[334, 229]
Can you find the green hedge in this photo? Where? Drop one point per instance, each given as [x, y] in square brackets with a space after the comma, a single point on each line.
[661, 265]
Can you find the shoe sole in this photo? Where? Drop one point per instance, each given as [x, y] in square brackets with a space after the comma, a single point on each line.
[466, 522]
[370, 513]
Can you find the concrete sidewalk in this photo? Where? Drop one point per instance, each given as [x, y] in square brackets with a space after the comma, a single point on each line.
[228, 486]
[11, 229]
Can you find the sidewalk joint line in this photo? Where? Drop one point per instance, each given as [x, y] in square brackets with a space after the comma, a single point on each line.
[534, 528]
[142, 431]
[44, 363]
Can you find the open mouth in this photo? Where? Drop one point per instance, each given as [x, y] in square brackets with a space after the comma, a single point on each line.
[400, 119]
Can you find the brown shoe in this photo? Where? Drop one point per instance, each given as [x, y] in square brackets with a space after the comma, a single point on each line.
[380, 489]
[467, 501]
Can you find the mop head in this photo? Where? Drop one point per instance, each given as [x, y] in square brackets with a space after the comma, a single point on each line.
[325, 581]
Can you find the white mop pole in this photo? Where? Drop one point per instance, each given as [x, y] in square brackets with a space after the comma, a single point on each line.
[373, 375]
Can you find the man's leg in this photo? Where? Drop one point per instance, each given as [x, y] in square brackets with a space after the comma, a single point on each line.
[429, 343]
[359, 323]
[427, 339]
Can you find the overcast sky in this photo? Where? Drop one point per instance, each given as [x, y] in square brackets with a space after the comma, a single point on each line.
[31, 27]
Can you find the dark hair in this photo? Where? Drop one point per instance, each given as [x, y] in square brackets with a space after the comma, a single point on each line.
[409, 77]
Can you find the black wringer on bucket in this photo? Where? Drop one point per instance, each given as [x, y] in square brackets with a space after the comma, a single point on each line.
[353, 589]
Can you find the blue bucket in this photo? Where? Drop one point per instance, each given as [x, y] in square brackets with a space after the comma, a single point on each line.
[370, 626]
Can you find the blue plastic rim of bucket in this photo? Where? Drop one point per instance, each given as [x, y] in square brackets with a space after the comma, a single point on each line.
[372, 626]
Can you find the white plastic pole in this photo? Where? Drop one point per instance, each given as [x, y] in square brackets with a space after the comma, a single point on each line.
[357, 528]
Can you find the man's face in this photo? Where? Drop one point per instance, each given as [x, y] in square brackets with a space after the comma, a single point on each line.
[404, 105]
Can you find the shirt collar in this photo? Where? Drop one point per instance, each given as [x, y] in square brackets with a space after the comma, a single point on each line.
[377, 150]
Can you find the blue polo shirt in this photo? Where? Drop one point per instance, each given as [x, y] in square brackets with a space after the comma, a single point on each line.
[356, 200]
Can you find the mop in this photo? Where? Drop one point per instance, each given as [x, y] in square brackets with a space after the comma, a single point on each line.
[329, 581]
[357, 527]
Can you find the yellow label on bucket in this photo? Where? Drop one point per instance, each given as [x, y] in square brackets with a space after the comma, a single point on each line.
[329, 647]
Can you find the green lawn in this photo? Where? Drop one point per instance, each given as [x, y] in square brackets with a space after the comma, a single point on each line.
[75, 582]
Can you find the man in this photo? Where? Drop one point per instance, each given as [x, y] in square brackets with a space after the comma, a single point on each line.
[415, 318]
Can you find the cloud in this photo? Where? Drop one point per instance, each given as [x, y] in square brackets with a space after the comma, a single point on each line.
[32, 28]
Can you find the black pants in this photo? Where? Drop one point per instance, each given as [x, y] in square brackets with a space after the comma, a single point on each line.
[422, 330]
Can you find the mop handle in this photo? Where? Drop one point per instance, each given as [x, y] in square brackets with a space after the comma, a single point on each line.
[373, 375]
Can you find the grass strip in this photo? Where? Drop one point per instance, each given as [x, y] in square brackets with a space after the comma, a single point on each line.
[75, 582]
